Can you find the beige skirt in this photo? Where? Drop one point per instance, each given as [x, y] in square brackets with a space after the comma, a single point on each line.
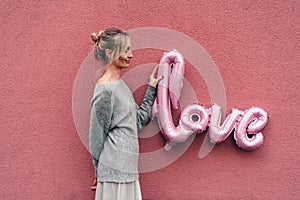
[118, 191]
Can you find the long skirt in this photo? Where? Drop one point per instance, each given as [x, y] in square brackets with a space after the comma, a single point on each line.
[118, 191]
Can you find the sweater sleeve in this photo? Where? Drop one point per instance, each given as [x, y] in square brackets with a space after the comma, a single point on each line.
[101, 113]
[144, 111]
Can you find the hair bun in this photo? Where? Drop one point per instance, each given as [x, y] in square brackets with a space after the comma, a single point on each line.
[94, 37]
[97, 36]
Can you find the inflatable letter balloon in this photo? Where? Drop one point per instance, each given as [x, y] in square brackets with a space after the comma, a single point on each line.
[252, 122]
[171, 66]
[217, 133]
[196, 118]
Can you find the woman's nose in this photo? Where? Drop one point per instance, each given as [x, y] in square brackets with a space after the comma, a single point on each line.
[130, 55]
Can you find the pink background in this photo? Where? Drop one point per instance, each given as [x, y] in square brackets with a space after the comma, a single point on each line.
[255, 45]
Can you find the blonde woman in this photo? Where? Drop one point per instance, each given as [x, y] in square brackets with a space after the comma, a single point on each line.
[115, 120]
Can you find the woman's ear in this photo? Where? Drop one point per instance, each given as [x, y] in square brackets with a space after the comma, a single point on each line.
[108, 53]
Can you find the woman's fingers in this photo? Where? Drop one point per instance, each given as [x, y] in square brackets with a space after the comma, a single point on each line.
[93, 188]
[159, 79]
[154, 81]
[94, 184]
[155, 71]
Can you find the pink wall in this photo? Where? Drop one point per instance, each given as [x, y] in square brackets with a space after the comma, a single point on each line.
[254, 44]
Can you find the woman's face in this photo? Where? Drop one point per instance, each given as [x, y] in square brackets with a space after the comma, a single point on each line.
[124, 59]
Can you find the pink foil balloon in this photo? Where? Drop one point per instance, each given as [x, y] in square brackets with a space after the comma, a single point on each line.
[195, 118]
[219, 133]
[171, 66]
[252, 122]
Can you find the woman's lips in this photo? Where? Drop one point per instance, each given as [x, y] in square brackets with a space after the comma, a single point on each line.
[127, 61]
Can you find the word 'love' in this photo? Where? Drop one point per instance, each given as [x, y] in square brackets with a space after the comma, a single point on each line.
[196, 118]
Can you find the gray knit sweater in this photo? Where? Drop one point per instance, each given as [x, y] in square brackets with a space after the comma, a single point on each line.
[114, 122]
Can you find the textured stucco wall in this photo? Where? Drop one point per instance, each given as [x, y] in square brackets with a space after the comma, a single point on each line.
[255, 45]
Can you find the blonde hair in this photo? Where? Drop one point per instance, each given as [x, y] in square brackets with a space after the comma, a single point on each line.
[113, 39]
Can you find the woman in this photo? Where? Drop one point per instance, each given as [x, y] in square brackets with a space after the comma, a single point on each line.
[115, 119]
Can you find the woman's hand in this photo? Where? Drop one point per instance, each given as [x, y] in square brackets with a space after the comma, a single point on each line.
[154, 81]
[94, 184]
